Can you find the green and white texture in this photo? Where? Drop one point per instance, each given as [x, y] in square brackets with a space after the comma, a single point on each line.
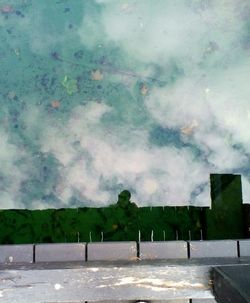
[99, 96]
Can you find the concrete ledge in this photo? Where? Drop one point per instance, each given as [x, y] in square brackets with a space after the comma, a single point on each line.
[203, 301]
[171, 301]
[16, 253]
[244, 246]
[115, 251]
[151, 301]
[60, 252]
[112, 251]
[105, 281]
[110, 301]
[213, 248]
[163, 250]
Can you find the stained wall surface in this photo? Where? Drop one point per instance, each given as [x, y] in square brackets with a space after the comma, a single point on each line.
[98, 96]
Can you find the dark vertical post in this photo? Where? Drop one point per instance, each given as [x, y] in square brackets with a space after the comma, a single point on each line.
[225, 219]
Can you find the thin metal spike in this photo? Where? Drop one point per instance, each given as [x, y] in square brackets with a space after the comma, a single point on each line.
[139, 236]
[189, 234]
[163, 208]
[164, 235]
[176, 235]
[150, 208]
[201, 232]
[152, 236]
[90, 237]
[188, 207]
[78, 236]
[102, 236]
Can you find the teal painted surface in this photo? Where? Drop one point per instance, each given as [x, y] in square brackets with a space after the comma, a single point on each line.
[99, 96]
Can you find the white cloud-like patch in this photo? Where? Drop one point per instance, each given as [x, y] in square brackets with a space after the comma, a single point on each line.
[99, 166]
[179, 105]
[11, 176]
[155, 33]
[245, 181]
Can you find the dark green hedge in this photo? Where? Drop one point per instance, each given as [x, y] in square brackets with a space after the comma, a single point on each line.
[123, 220]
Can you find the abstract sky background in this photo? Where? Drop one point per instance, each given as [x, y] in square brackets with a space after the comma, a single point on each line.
[97, 96]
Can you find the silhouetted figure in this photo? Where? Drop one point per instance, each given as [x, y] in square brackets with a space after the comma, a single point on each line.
[124, 200]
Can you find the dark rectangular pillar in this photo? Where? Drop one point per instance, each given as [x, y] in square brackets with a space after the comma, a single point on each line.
[225, 218]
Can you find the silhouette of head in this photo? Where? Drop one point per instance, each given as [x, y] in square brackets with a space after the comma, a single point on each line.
[124, 198]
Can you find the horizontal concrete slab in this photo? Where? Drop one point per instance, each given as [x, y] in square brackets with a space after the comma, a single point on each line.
[112, 251]
[244, 248]
[170, 301]
[104, 281]
[203, 301]
[16, 253]
[141, 301]
[110, 301]
[60, 252]
[163, 250]
[213, 248]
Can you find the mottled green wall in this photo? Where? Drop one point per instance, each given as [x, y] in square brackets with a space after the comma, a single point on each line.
[124, 220]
